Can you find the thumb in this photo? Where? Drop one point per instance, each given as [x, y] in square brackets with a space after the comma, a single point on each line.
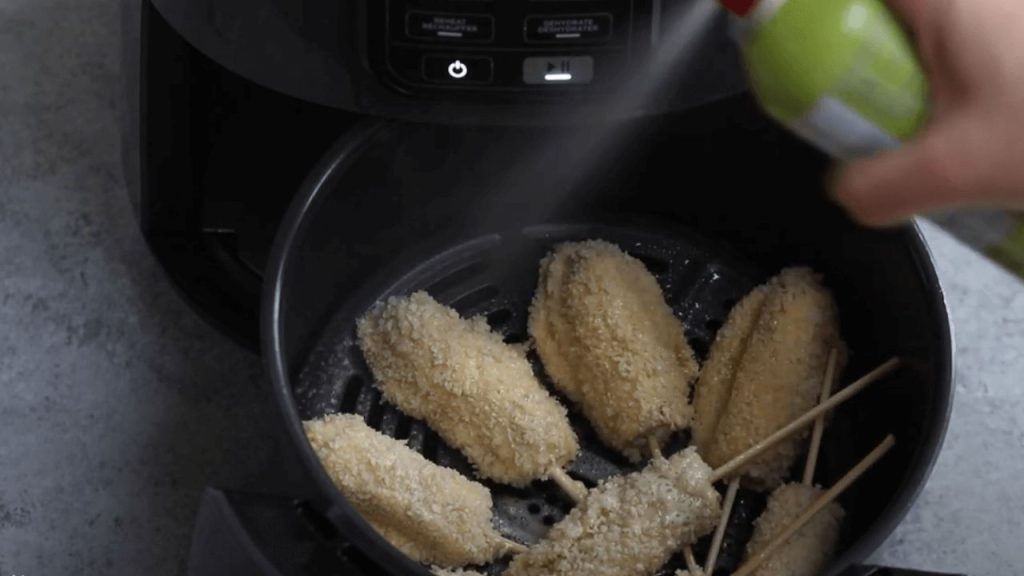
[923, 176]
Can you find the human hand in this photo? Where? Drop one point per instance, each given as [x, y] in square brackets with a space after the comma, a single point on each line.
[971, 153]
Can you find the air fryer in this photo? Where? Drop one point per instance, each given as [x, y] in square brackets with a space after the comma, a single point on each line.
[293, 162]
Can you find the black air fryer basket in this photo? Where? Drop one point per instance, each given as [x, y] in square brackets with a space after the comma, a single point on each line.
[713, 202]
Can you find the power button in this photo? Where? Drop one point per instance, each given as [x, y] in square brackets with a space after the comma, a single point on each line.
[457, 69]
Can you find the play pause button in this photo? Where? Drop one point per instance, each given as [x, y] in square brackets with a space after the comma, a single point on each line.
[558, 70]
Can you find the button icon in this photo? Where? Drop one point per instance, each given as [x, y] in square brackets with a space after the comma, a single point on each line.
[458, 70]
[462, 69]
[558, 70]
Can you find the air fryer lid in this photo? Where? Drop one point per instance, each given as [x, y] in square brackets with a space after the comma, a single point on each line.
[398, 208]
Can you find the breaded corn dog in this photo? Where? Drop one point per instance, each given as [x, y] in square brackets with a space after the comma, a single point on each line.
[763, 371]
[431, 513]
[477, 392]
[629, 525]
[800, 527]
[809, 550]
[715, 384]
[438, 571]
[612, 345]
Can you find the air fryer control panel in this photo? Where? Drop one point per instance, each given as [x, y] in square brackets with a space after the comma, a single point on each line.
[540, 47]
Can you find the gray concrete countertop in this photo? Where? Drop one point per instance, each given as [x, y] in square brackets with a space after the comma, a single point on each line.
[117, 404]
[969, 517]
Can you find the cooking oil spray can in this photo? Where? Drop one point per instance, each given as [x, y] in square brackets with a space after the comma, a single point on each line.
[842, 74]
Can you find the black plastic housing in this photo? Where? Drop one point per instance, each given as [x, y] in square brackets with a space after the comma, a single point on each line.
[348, 54]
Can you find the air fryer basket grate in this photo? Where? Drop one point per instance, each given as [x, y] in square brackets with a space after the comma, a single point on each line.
[495, 276]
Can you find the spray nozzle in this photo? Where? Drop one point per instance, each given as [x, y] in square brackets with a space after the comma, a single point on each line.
[739, 7]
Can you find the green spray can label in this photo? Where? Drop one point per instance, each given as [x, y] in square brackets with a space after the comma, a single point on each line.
[840, 73]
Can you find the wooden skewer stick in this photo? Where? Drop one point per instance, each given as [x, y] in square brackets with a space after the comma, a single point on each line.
[812, 457]
[819, 422]
[842, 396]
[512, 547]
[822, 501]
[723, 522]
[654, 447]
[691, 561]
[812, 454]
[573, 488]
